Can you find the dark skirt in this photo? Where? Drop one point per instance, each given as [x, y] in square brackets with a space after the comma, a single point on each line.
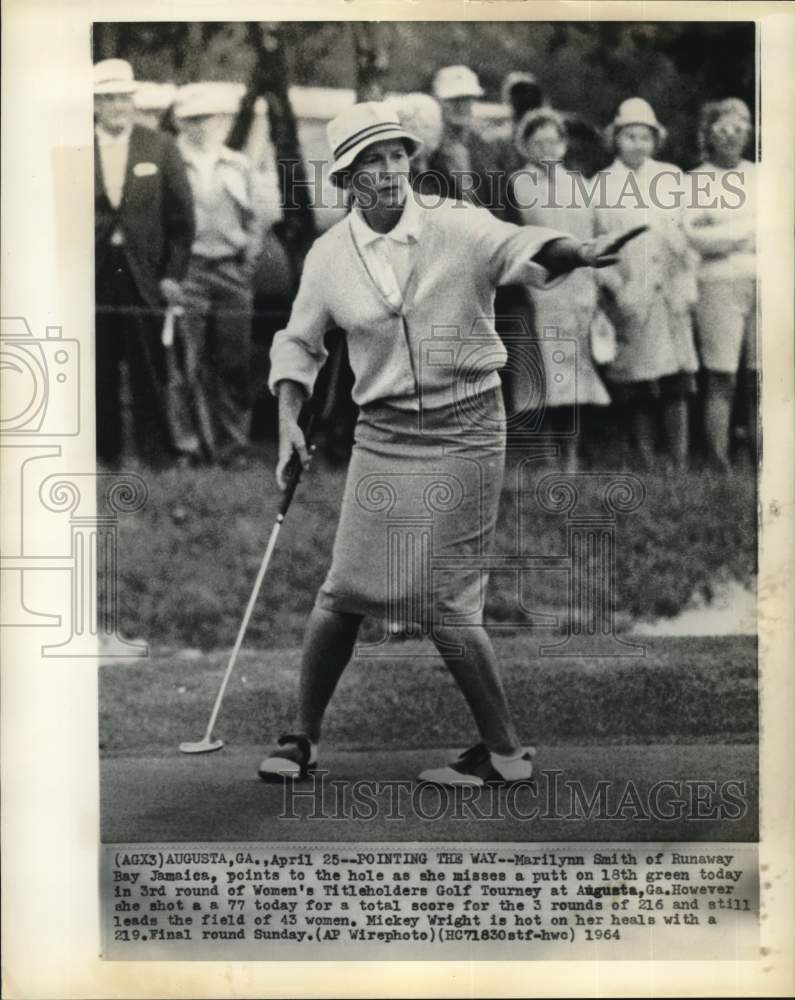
[418, 513]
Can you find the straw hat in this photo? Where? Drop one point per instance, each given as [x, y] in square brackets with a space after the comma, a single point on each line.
[359, 127]
[114, 76]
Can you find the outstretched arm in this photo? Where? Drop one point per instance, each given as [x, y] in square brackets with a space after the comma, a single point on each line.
[566, 254]
[535, 255]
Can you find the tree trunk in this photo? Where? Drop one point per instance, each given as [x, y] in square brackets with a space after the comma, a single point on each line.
[372, 61]
[270, 80]
[189, 48]
[105, 40]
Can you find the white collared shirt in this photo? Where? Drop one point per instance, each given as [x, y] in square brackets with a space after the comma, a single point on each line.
[113, 153]
[224, 191]
[203, 162]
[389, 256]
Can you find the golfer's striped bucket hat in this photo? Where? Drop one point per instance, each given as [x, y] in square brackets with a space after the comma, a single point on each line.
[359, 127]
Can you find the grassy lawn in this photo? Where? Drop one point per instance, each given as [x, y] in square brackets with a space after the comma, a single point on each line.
[682, 690]
[188, 560]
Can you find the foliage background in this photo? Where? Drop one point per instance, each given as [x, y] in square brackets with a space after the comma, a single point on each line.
[188, 560]
[586, 67]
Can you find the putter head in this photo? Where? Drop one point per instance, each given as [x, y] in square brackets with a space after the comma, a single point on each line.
[201, 746]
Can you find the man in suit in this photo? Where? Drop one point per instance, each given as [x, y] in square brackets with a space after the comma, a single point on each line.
[143, 231]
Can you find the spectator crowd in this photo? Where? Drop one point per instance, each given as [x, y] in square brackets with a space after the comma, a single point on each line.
[180, 230]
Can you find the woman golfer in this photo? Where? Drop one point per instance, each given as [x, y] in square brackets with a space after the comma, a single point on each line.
[412, 284]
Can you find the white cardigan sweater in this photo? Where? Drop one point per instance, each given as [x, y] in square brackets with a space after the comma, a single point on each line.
[443, 335]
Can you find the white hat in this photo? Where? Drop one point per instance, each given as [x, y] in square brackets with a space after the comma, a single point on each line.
[114, 76]
[154, 96]
[212, 97]
[359, 127]
[636, 111]
[456, 81]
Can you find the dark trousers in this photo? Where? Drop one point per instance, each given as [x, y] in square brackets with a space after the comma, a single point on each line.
[123, 333]
[218, 313]
[523, 387]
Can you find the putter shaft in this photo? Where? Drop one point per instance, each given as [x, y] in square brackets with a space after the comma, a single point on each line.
[293, 473]
[244, 624]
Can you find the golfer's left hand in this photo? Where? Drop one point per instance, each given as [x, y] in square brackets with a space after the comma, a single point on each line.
[291, 442]
[604, 251]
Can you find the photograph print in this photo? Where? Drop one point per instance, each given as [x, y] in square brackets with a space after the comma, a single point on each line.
[429, 353]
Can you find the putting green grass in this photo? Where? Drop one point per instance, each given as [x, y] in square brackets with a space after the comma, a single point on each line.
[681, 690]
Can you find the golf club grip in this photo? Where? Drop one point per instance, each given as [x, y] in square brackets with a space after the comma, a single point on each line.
[293, 469]
[292, 474]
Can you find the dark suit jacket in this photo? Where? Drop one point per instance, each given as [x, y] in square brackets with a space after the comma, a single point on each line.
[155, 214]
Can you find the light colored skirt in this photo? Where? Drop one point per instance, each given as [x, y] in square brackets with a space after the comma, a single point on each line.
[418, 512]
[726, 314]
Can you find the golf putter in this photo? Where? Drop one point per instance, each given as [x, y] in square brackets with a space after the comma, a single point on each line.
[293, 474]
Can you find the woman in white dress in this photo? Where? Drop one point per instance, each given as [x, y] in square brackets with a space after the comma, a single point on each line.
[546, 194]
[653, 288]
